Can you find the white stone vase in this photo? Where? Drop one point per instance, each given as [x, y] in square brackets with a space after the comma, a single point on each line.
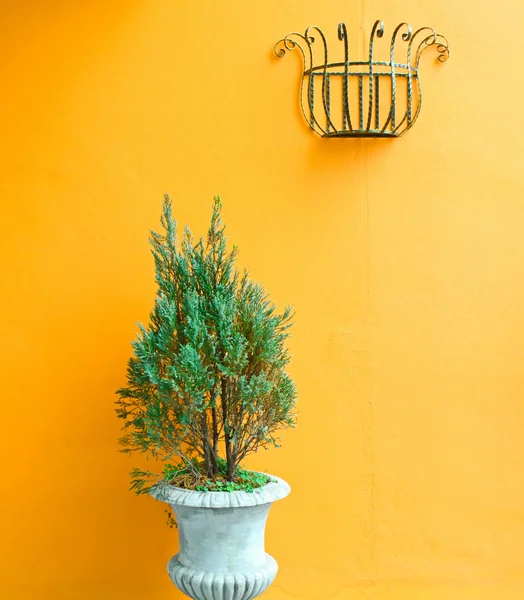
[221, 535]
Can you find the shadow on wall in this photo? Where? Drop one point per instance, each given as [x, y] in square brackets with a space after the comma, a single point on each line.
[324, 155]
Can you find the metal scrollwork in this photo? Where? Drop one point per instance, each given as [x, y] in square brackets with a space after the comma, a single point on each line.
[330, 113]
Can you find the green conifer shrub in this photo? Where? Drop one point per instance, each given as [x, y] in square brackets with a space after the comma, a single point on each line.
[206, 385]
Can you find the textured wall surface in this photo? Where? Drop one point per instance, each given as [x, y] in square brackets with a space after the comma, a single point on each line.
[404, 260]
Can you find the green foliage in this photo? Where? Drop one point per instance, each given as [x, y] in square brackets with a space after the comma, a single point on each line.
[246, 481]
[206, 385]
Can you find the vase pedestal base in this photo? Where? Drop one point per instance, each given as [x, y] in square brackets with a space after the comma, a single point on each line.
[236, 585]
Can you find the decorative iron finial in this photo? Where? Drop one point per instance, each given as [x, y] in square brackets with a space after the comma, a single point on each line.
[349, 92]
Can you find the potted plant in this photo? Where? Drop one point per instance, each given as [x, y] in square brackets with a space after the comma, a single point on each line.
[206, 387]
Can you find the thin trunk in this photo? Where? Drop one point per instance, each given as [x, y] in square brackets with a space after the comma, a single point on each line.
[214, 463]
[214, 452]
[238, 428]
[207, 447]
[213, 434]
[227, 434]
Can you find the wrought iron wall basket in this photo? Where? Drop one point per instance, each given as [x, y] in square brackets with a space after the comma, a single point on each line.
[370, 98]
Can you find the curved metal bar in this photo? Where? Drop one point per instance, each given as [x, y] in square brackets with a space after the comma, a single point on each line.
[388, 121]
[419, 100]
[428, 41]
[442, 48]
[442, 45]
[410, 80]
[440, 42]
[430, 34]
[378, 30]
[324, 92]
[411, 68]
[417, 111]
[289, 44]
[406, 36]
[343, 37]
[397, 131]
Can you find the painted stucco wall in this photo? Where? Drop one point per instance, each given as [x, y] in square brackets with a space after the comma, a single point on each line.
[404, 260]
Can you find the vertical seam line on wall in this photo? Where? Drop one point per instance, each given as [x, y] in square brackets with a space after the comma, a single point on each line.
[369, 413]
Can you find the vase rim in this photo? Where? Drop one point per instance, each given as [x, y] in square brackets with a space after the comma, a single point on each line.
[275, 490]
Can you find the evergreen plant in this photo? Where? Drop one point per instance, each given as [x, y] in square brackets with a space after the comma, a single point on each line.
[206, 385]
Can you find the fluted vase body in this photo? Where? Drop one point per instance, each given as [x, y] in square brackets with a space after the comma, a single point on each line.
[222, 554]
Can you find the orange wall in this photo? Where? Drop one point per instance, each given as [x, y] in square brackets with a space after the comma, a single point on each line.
[404, 259]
